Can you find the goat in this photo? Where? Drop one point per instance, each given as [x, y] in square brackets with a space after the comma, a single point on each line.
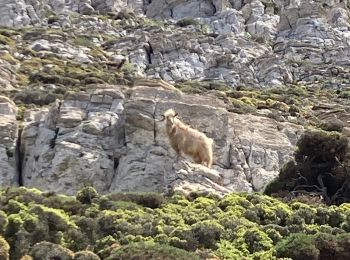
[190, 141]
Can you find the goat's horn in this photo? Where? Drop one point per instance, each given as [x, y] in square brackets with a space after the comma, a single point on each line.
[176, 115]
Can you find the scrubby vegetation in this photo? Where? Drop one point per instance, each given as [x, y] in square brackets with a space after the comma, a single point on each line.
[39, 225]
[40, 76]
[35, 224]
[310, 220]
[297, 104]
[321, 168]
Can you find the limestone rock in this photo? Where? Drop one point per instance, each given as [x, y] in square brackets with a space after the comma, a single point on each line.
[22, 13]
[86, 8]
[128, 149]
[260, 24]
[227, 21]
[73, 144]
[108, 136]
[261, 177]
[257, 43]
[180, 9]
[8, 141]
[105, 6]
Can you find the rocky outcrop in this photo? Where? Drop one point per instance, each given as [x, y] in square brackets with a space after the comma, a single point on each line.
[110, 138]
[74, 143]
[8, 142]
[180, 9]
[251, 43]
[107, 135]
[254, 43]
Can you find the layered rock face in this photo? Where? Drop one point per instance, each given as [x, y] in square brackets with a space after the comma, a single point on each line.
[8, 142]
[110, 138]
[74, 142]
[254, 43]
[103, 131]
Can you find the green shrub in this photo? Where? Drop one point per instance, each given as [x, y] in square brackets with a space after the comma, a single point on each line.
[15, 223]
[106, 222]
[86, 194]
[3, 222]
[236, 226]
[6, 40]
[257, 240]
[184, 238]
[240, 107]
[186, 22]
[344, 94]
[85, 255]
[298, 247]
[207, 233]
[69, 204]
[321, 145]
[342, 251]
[4, 249]
[195, 86]
[227, 251]
[36, 97]
[106, 203]
[14, 206]
[320, 168]
[274, 235]
[105, 245]
[150, 251]
[147, 199]
[333, 124]
[47, 250]
[330, 246]
[57, 220]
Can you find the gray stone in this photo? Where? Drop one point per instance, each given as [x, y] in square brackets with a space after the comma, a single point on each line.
[8, 140]
[86, 9]
[131, 151]
[257, 43]
[71, 117]
[96, 99]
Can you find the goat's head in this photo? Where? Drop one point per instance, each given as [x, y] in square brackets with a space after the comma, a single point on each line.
[169, 115]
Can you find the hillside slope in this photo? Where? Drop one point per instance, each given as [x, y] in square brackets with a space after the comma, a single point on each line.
[150, 226]
[253, 76]
[82, 84]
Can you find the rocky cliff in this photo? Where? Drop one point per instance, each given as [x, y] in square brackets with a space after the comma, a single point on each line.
[77, 108]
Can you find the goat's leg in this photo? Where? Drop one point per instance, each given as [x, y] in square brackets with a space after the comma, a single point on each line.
[208, 162]
[178, 156]
[197, 159]
[178, 152]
